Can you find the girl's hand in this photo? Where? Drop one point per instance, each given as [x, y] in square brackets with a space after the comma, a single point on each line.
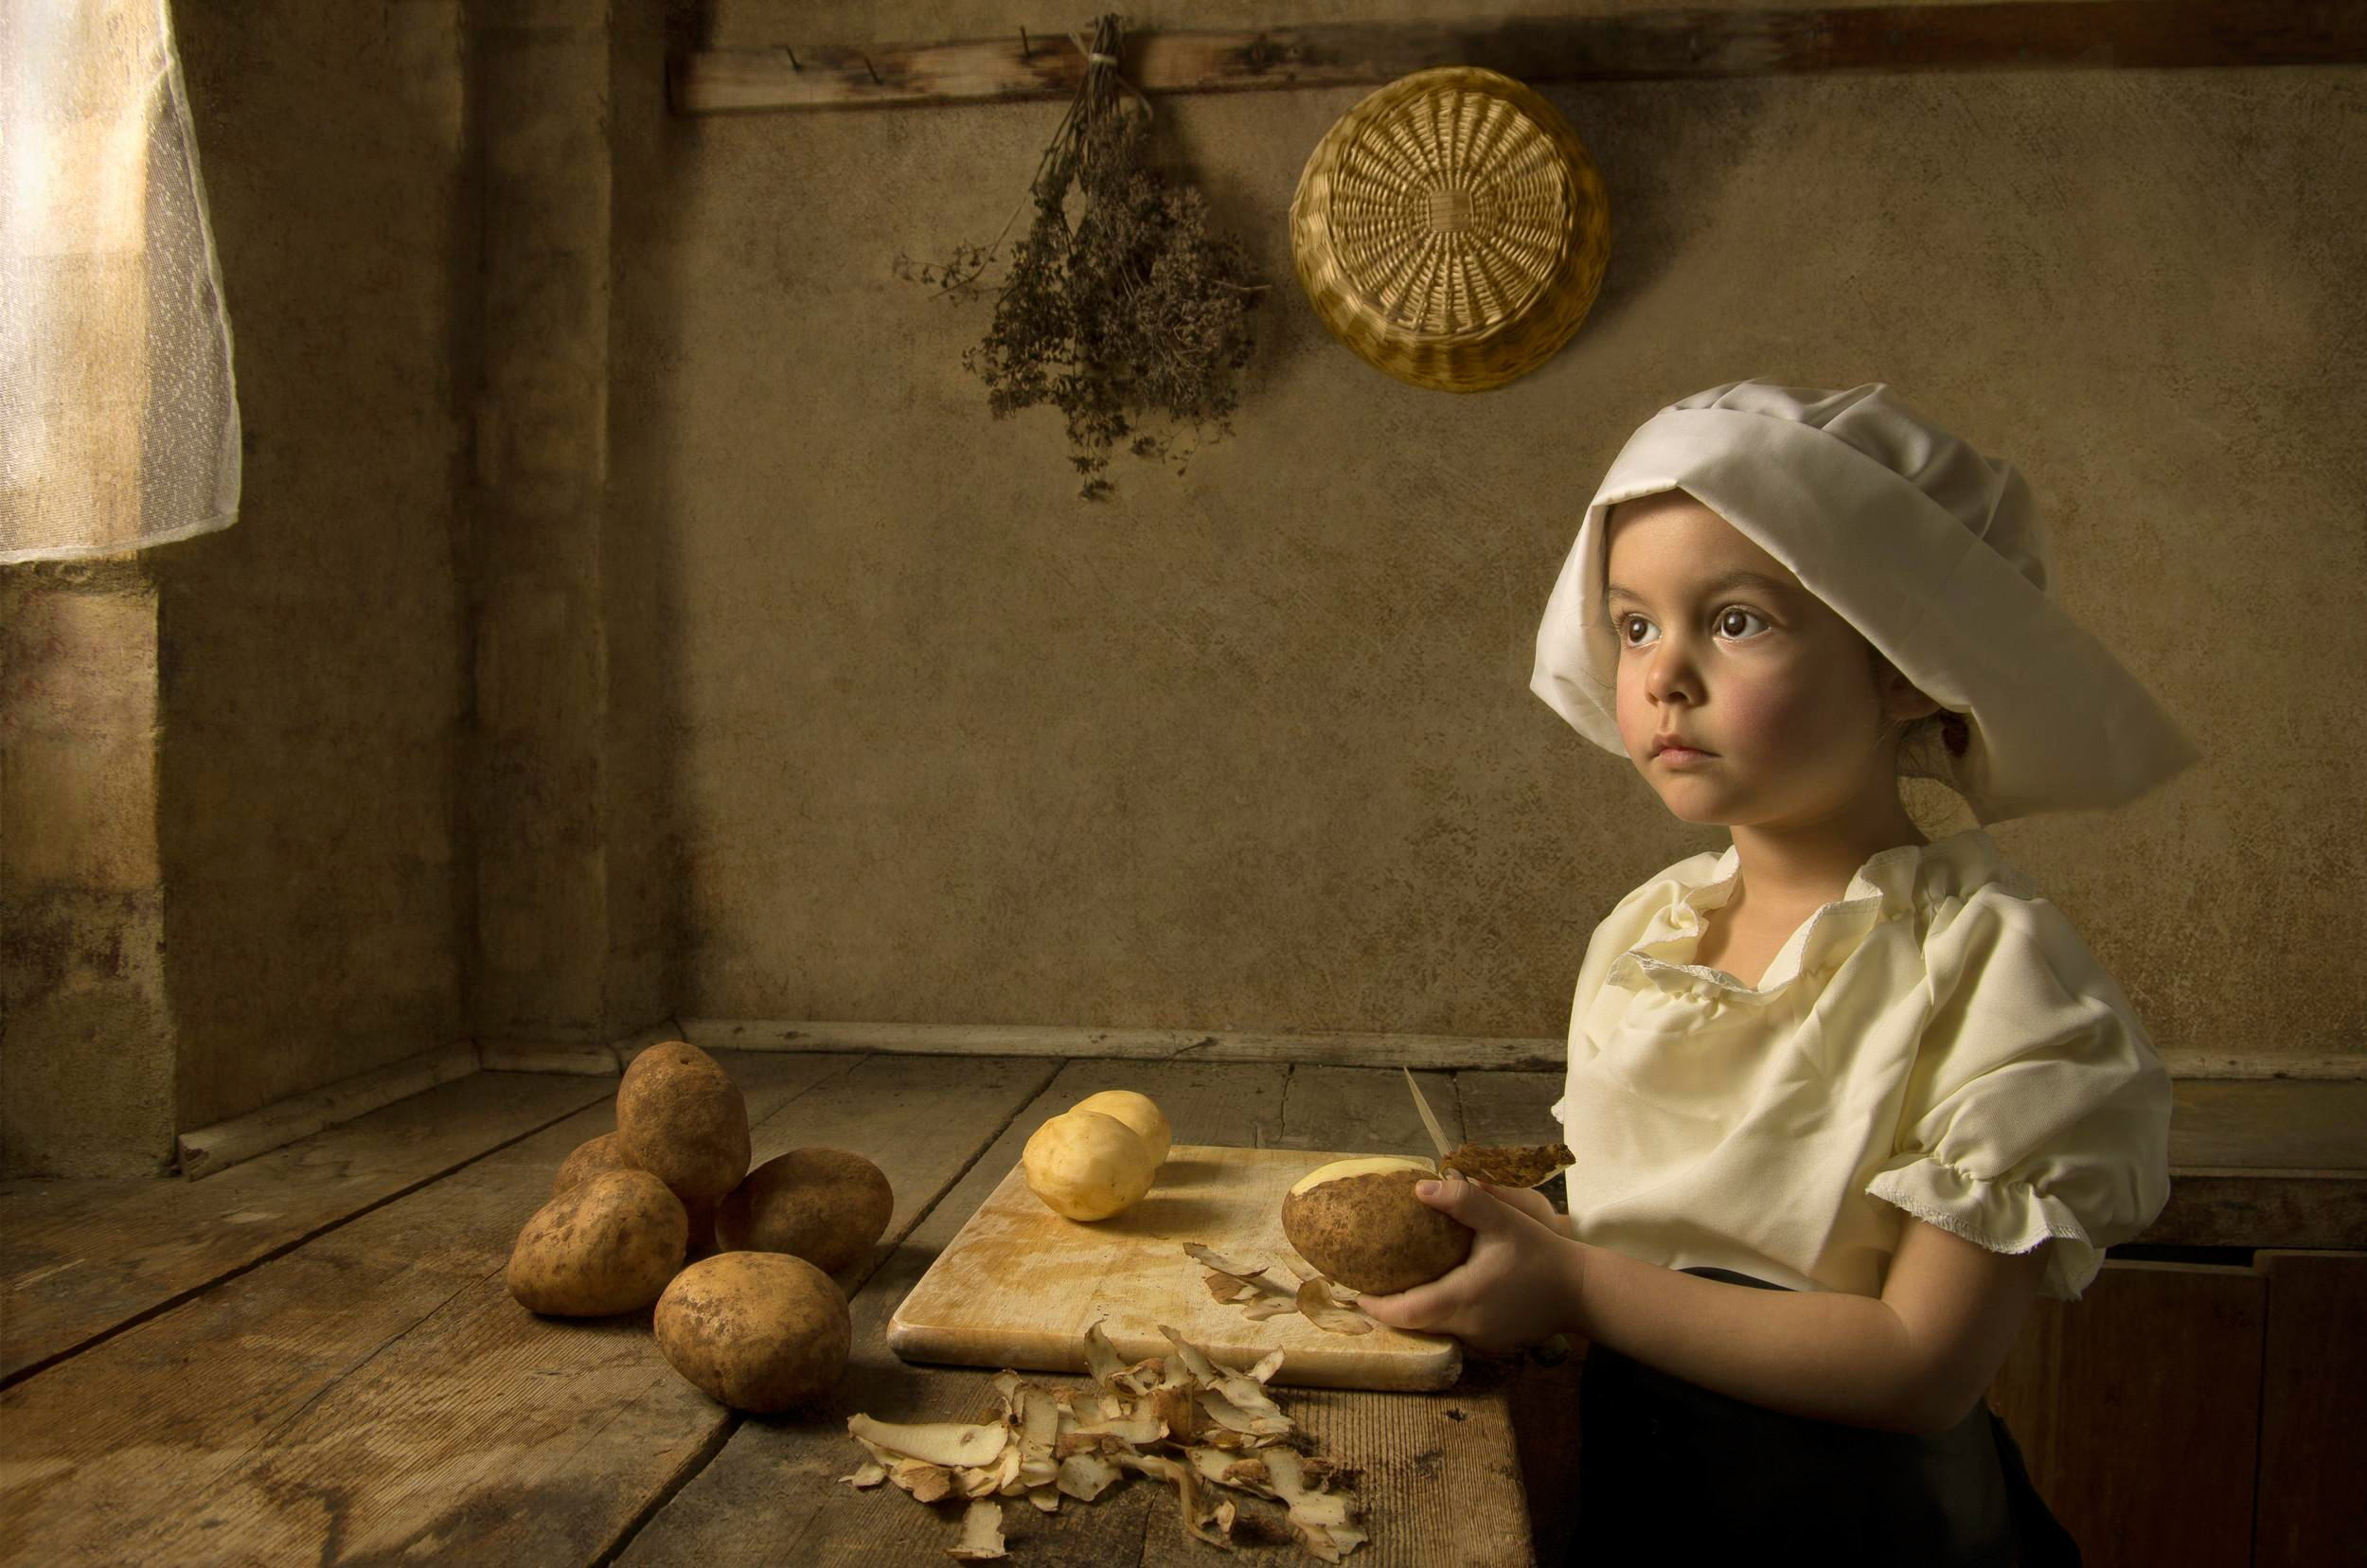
[1530, 1202]
[1518, 1286]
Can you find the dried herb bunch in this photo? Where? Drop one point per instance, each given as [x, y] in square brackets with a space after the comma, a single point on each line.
[1119, 303]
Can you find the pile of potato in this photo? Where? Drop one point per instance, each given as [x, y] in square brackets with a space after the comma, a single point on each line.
[665, 1211]
[1099, 1157]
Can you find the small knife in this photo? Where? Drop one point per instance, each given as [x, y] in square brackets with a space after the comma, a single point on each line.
[1430, 1122]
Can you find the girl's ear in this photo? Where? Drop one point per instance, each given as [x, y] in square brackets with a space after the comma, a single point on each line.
[1901, 701]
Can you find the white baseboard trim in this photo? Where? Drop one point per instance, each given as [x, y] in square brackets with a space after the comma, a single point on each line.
[216, 1147]
[225, 1143]
[542, 1056]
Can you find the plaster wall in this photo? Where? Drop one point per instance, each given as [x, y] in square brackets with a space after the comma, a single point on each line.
[1251, 746]
[311, 657]
[86, 1040]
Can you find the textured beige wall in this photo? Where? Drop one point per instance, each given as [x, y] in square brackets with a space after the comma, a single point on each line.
[1253, 748]
[312, 655]
[86, 1040]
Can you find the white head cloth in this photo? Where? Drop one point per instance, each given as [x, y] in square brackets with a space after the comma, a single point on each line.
[1930, 551]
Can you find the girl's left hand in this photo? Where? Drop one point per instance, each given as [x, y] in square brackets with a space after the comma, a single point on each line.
[1518, 1286]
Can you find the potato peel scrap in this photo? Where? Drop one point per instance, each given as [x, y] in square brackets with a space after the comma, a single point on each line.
[1321, 1302]
[982, 1534]
[1185, 1421]
[1509, 1166]
[1332, 1307]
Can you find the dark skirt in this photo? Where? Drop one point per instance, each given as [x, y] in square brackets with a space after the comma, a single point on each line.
[1667, 1465]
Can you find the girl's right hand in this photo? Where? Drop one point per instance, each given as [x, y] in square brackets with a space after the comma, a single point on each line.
[1531, 1202]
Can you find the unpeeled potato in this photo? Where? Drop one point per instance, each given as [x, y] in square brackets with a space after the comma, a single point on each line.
[608, 1244]
[756, 1331]
[1358, 1223]
[825, 1205]
[679, 1113]
[594, 1155]
[589, 1158]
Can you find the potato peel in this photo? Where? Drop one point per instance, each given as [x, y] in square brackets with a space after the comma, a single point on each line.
[1318, 1300]
[1186, 1421]
[1507, 1166]
[1322, 1303]
[951, 1444]
[982, 1534]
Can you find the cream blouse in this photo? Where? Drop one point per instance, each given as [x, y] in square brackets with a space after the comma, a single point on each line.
[1938, 1042]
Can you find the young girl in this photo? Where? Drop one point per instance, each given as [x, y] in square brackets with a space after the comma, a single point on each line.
[1841, 1099]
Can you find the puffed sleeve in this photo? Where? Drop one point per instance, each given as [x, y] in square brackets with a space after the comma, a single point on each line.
[2036, 1107]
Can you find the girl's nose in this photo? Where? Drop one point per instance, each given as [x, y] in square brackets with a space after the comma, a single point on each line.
[1671, 676]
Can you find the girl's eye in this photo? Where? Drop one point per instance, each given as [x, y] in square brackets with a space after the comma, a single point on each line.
[1736, 622]
[1731, 621]
[1634, 631]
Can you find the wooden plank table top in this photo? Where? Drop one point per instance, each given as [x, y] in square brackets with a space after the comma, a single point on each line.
[313, 1356]
[360, 1386]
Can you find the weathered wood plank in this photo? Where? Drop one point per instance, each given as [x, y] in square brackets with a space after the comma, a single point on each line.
[1364, 1110]
[2262, 1208]
[492, 1403]
[2009, 34]
[81, 1258]
[2273, 1123]
[352, 1392]
[1440, 1483]
[1331, 1050]
[2155, 1372]
[1509, 1108]
[2313, 1448]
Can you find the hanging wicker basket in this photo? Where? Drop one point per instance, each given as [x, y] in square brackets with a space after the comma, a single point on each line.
[1451, 229]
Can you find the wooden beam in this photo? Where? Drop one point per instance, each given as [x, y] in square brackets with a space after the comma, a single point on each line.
[1331, 1050]
[1995, 34]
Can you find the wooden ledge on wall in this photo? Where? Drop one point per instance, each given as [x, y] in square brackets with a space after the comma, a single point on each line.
[1774, 41]
[1445, 1052]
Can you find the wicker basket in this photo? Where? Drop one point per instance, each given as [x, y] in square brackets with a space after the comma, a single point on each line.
[1452, 229]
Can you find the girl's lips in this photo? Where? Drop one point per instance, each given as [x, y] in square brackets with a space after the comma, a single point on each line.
[1678, 757]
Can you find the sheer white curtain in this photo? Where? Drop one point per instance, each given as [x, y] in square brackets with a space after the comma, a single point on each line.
[119, 418]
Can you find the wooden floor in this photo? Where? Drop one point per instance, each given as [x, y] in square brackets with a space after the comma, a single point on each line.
[312, 1357]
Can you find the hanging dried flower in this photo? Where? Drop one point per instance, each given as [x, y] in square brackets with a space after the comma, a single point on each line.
[1119, 303]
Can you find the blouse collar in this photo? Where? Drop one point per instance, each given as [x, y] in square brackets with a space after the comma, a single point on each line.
[1893, 882]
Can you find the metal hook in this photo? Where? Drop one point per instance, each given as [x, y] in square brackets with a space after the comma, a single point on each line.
[1027, 51]
[792, 58]
[874, 70]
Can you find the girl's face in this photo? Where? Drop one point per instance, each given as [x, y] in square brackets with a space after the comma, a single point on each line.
[1743, 699]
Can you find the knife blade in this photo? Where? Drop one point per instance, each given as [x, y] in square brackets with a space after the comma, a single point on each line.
[1430, 1122]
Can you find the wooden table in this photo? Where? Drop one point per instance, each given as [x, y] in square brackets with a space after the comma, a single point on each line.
[312, 1356]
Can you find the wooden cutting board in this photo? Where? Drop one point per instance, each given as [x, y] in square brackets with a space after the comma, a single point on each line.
[1017, 1285]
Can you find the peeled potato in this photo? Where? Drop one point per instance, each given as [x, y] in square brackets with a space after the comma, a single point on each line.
[1360, 1224]
[1137, 1110]
[1088, 1165]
